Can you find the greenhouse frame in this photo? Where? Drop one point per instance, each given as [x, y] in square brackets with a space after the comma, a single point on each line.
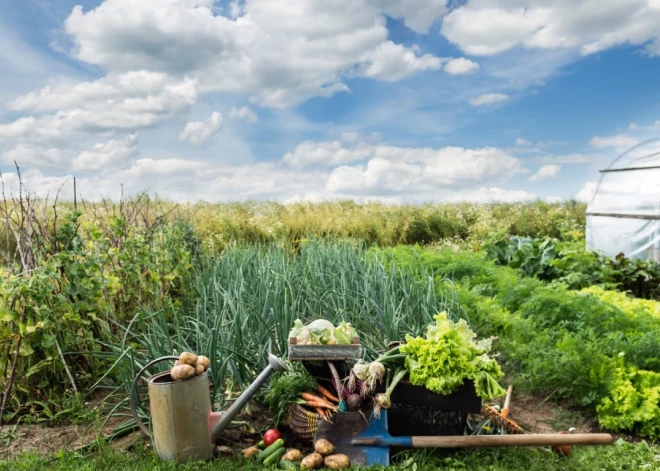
[623, 215]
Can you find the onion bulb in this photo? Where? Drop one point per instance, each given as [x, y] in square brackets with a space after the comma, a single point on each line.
[383, 401]
[375, 375]
[361, 370]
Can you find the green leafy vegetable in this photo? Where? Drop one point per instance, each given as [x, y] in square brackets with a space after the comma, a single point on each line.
[449, 355]
[285, 389]
[632, 403]
[297, 328]
[320, 336]
[344, 333]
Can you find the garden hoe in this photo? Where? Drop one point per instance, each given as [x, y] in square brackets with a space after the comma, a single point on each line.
[368, 443]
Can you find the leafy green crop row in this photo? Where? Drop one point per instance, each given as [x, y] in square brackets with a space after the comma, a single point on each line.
[568, 262]
[568, 344]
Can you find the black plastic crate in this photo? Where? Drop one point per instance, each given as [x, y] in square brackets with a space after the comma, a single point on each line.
[404, 421]
[463, 399]
[417, 411]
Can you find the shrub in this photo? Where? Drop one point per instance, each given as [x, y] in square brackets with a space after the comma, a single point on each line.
[569, 263]
[70, 290]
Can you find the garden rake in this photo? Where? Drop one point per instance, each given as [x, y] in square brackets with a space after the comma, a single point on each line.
[494, 419]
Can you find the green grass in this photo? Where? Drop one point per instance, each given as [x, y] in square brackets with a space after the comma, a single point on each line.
[622, 456]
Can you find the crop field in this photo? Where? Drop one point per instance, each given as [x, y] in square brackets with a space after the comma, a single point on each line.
[91, 294]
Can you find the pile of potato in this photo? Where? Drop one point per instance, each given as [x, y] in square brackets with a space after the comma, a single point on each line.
[324, 456]
[189, 365]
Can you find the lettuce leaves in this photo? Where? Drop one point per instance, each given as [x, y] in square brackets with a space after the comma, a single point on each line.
[633, 403]
[448, 355]
[344, 333]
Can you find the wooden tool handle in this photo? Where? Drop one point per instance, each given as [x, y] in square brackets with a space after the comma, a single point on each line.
[507, 402]
[541, 439]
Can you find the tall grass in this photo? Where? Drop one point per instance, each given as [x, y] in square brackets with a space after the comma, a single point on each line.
[245, 303]
[464, 225]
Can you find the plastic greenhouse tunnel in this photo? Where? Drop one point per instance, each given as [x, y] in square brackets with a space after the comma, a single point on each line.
[623, 215]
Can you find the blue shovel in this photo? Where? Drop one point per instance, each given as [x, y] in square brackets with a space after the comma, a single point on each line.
[368, 442]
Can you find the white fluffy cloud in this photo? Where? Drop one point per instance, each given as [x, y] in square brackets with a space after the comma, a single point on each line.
[88, 126]
[520, 142]
[489, 99]
[361, 166]
[486, 27]
[277, 53]
[98, 157]
[546, 171]
[391, 169]
[389, 173]
[107, 156]
[327, 154]
[392, 62]
[619, 142]
[567, 159]
[461, 66]
[244, 113]
[197, 132]
[126, 102]
[493, 195]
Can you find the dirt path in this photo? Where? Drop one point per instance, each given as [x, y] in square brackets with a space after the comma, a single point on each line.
[529, 413]
[17, 439]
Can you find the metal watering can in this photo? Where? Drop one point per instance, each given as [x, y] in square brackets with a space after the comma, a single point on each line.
[184, 426]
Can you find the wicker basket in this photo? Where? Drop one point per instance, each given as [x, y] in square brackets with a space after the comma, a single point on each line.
[303, 422]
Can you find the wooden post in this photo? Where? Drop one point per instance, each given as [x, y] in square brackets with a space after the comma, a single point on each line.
[75, 200]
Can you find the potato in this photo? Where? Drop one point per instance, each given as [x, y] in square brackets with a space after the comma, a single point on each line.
[250, 452]
[337, 462]
[181, 372]
[176, 363]
[312, 461]
[187, 358]
[204, 361]
[292, 455]
[199, 369]
[324, 447]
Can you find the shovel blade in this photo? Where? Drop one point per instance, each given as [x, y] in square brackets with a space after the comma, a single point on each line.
[346, 426]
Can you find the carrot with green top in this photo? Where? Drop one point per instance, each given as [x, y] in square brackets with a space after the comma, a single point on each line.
[319, 399]
[327, 394]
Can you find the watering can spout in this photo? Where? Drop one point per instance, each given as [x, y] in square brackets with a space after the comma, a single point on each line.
[274, 364]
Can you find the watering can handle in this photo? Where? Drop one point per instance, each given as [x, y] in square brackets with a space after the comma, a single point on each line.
[135, 395]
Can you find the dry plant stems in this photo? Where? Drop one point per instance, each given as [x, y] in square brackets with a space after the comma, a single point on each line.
[31, 238]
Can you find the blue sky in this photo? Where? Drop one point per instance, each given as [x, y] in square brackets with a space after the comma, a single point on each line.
[400, 101]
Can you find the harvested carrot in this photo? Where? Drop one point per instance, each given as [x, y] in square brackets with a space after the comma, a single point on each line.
[322, 413]
[315, 404]
[315, 398]
[328, 395]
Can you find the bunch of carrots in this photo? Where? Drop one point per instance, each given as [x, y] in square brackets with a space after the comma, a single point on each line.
[324, 403]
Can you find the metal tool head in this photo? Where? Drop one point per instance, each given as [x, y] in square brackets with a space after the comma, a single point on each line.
[275, 363]
[348, 426]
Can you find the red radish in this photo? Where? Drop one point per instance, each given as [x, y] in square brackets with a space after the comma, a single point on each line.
[271, 436]
[564, 450]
